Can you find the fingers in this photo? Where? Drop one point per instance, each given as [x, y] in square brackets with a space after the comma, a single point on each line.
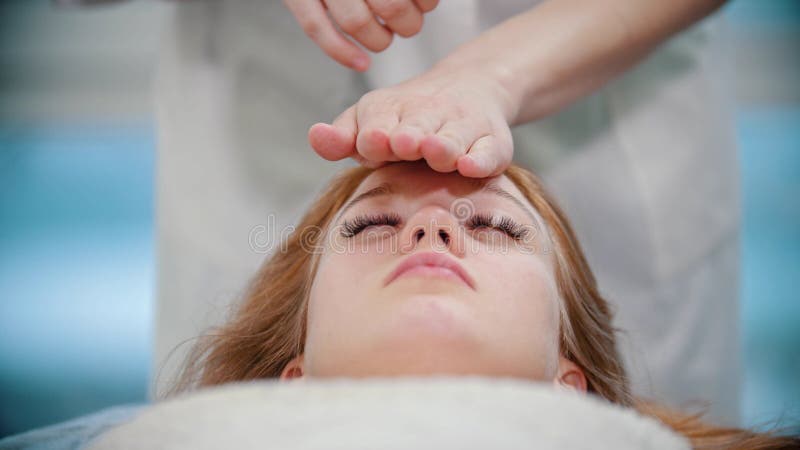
[373, 132]
[452, 146]
[356, 19]
[311, 16]
[450, 142]
[407, 136]
[336, 141]
[359, 19]
[488, 156]
[401, 16]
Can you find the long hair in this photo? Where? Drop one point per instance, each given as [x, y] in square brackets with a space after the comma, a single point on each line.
[268, 328]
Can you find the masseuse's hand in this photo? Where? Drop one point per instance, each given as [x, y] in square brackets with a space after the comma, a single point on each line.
[372, 23]
[528, 67]
[454, 119]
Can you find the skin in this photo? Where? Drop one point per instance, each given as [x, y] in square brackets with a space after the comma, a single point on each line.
[504, 324]
[457, 116]
[371, 23]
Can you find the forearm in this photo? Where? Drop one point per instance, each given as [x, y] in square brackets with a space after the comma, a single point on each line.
[561, 50]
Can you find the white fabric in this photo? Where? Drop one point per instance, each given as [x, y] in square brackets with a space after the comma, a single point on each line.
[646, 170]
[464, 414]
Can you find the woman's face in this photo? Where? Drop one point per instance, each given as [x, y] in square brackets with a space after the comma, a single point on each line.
[425, 273]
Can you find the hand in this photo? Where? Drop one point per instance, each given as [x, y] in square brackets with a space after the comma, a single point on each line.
[372, 23]
[455, 120]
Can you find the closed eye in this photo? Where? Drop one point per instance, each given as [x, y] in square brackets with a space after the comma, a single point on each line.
[504, 224]
[356, 225]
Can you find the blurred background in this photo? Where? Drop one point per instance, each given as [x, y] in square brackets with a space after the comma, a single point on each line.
[77, 260]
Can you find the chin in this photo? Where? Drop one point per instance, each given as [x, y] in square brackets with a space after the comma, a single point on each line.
[436, 324]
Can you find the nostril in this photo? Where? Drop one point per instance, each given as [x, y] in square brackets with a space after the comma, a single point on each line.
[444, 236]
[419, 234]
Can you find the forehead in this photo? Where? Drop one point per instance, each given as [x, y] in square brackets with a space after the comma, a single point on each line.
[418, 178]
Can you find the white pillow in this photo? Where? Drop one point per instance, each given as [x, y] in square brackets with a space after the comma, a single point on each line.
[400, 413]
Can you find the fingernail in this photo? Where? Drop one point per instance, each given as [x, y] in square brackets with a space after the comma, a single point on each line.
[480, 161]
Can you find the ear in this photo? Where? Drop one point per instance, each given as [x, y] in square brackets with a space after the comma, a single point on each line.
[569, 375]
[294, 369]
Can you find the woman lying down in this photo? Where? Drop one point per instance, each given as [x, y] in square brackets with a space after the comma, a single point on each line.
[401, 274]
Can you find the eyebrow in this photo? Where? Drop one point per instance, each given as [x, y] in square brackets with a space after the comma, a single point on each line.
[381, 189]
[386, 188]
[507, 195]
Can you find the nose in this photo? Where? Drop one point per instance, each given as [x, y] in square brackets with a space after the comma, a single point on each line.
[433, 228]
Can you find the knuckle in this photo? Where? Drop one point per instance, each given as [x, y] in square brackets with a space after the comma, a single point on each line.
[454, 138]
[421, 122]
[353, 23]
[311, 28]
[440, 102]
[459, 111]
[391, 9]
[411, 124]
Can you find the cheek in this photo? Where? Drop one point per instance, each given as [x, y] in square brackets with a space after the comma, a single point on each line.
[344, 281]
[332, 287]
[353, 265]
[525, 303]
[342, 270]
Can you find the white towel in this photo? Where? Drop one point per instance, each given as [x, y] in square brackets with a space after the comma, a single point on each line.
[401, 413]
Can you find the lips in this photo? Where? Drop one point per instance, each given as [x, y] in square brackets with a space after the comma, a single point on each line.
[430, 263]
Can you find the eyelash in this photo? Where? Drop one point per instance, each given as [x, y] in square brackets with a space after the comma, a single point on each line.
[358, 224]
[505, 224]
[352, 227]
